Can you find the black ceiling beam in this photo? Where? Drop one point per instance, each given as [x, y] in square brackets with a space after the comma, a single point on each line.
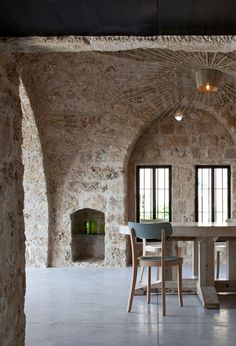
[117, 17]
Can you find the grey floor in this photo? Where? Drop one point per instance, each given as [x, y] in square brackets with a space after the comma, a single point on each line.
[87, 307]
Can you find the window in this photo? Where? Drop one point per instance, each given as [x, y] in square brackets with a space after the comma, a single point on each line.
[212, 193]
[153, 193]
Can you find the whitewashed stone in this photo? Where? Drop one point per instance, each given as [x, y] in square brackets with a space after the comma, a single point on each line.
[35, 193]
[12, 247]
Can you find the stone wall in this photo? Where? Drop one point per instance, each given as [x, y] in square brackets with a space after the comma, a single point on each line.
[84, 144]
[197, 140]
[87, 129]
[35, 194]
[12, 247]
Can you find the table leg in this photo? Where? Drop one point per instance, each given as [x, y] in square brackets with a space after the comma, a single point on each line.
[195, 259]
[206, 286]
[171, 272]
[230, 260]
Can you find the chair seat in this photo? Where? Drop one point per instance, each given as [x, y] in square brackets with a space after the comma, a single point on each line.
[158, 258]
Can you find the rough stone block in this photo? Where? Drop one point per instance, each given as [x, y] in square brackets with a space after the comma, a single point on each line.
[167, 129]
[230, 153]
[180, 140]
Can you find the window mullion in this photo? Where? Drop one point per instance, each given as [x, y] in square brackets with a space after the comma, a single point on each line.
[170, 193]
[212, 195]
[154, 194]
[229, 192]
[196, 194]
[138, 195]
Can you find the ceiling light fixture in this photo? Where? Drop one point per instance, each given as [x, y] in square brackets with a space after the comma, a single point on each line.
[178, 116]
[178, 81]
[208, 80]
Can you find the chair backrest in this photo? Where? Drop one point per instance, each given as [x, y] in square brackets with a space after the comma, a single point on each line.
[231, 220]
[151, 230]
[153, 220]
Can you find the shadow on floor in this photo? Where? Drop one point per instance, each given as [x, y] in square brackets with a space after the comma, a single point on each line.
[227, 300]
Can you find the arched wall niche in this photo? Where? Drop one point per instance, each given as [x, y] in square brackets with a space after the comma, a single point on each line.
[96, 181]
[87, 232]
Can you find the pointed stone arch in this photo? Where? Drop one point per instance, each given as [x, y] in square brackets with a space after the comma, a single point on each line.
[35, 192]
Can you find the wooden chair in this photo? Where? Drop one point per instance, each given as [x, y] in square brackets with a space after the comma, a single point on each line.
[157, 231]
[155, 248]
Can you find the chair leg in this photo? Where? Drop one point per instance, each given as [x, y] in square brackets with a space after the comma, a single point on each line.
[141, 274]
[195, 259]
[133, 284]
[149, 285]
[158, 274]
[163, 291]
[158, 271]
[217, 264]
[180, 288]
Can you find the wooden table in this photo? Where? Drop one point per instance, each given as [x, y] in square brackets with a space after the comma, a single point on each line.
[205, 235]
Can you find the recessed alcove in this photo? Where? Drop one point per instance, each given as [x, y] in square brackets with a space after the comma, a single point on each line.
[86, 246]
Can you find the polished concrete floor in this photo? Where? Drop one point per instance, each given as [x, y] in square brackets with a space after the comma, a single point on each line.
[87, 307]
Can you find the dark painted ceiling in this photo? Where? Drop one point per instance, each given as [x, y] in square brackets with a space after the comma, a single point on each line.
[117, 17]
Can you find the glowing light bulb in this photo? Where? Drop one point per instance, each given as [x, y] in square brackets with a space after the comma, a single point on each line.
[208, 80]
[178, 116]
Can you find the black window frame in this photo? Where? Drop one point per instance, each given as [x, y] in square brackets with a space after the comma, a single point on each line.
[153, 167]
[212, 167]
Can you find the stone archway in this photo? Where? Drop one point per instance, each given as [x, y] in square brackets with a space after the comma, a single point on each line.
[12, 246]
[86, 145]
[35, 192]
[201, 138]
[197, 139]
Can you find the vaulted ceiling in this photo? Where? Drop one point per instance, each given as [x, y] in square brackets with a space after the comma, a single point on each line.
[117, 17]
